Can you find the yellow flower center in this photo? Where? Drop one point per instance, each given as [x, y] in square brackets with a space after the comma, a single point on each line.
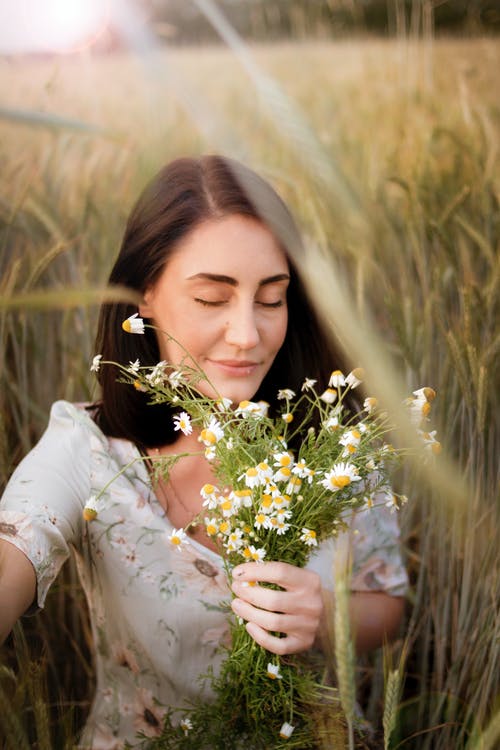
[252, 472]
[342, 481]
[126, 325]
[208, 436]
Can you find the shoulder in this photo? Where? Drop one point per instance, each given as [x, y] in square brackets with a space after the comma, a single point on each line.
[73, 423]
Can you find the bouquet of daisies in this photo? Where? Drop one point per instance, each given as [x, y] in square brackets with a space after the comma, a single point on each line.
[284, 484]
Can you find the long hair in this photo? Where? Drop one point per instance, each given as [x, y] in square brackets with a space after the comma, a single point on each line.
[185, 193]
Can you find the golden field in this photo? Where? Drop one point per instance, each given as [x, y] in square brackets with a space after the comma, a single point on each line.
[388, 152]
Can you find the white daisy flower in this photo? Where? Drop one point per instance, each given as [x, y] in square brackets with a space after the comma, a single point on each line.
[286, 730]
[329, 396]
[267, 504]
[225, 528]
[283, 474]
[426, 393]
[175, 378]
[224, 404]
[273, 672]
[350, 440]
[337, 379]
[285, 393]
[252, 553]
[355, 377]
[251, 477]
[134, 324]
[430, 442]
[246, 408]
[91, 508]
[302, 470]
[287, 417]
[281, 527]
[211, 526]
[210, 495]
[263, 408]
[228, 507]
[294, 485]
[308, 384]
[96, 363]
[212, 433]
[265, 471]
[331, 423]
[178, 537]
[210, 453]
[260, 520]
[186, 725]
[157, 374]
[182, 422]
[242, 497]
[283, 459]
[370, 404]
[133, 367]
[234, 541]
[340, 476]
[308, 536]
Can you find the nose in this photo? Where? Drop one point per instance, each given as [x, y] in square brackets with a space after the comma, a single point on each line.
[241, 328]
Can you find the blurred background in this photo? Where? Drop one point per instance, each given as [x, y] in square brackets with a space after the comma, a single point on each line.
[378, 122]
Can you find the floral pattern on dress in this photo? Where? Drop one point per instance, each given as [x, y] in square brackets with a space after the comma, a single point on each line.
[158, 614]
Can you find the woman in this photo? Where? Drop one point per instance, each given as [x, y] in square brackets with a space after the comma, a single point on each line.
[215, 255]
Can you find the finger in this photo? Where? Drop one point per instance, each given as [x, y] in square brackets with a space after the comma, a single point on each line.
[269, 620]
[264, 598]
[280, 646]
[283, 574]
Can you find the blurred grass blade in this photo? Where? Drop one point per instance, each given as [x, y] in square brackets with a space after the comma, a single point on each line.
[61, 299]
[51, 121]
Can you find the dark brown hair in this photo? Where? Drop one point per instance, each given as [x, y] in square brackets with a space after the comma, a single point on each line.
[185, 193]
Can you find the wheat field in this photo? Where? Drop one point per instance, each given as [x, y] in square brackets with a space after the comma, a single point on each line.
[388, 153]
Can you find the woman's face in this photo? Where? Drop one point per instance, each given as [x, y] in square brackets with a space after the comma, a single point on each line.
[222, 296]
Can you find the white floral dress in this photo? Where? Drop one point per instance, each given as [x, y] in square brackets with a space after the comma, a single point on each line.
[158, 614]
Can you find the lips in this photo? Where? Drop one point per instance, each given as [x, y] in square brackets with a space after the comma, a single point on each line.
[235, 362]
[236, 367]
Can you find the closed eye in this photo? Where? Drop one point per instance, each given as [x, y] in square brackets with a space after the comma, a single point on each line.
[279, 303]
[210, 303]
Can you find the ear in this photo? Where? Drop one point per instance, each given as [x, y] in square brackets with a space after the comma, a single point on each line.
[145, 310]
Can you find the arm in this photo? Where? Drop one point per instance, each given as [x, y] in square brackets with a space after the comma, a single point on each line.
[303, 611]
[17, 586]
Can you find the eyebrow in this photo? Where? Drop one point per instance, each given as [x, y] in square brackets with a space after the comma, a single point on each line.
[222, 279]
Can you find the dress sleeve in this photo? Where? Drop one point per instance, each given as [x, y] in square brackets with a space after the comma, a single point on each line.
[41, 509]
[374, 543]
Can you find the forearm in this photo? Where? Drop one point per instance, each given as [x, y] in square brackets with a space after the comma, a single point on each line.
[17, 586]
[375, 617]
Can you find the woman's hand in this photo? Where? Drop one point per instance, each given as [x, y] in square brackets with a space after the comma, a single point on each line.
[296, 611]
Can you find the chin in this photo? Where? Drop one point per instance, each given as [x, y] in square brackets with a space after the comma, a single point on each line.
[228, 390]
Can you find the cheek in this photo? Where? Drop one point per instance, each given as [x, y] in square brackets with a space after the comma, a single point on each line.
[279, 332]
